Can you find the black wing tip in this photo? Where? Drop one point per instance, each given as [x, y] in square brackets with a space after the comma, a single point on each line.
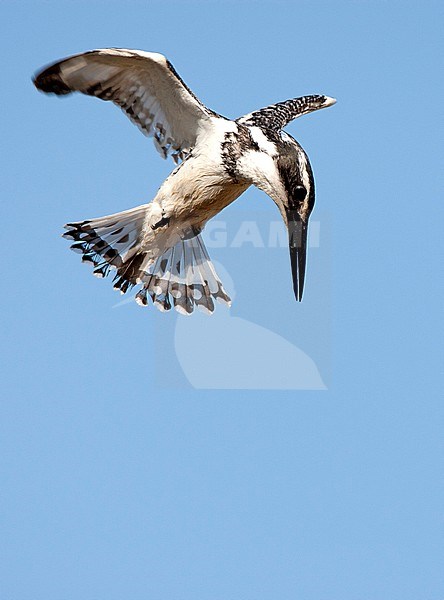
[50, 81]
[329, 101]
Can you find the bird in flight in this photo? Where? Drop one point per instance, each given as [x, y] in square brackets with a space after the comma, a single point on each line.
[159, 245]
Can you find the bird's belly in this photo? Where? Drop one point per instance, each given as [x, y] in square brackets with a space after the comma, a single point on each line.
[198, 192]
[203, 204]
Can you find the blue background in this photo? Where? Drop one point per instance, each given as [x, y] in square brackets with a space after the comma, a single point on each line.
[116, 487]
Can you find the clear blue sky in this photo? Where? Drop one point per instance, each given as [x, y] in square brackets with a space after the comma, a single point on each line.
[119, 478]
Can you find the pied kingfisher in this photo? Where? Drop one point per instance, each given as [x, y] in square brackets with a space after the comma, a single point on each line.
[158, 245]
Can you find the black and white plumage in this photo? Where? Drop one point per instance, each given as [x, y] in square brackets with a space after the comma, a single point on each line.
[158, 245]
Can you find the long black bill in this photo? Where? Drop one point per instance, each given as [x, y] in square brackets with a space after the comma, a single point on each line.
[297, 237]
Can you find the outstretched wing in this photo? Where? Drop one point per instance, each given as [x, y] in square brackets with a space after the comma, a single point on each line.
[276, 116]
[143, 84]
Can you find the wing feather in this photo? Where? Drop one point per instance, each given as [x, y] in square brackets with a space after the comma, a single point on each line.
[277, 116]
[143, 84]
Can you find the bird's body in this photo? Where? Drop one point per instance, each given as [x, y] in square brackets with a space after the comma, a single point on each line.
[158, 245]
[200, 187]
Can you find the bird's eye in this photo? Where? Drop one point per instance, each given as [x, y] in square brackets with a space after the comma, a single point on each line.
[299, 192]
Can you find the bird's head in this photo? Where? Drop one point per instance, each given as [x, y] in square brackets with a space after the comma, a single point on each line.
[295, 202]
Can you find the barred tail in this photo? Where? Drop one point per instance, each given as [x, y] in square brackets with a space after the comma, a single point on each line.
[182, 276]
[185, 274]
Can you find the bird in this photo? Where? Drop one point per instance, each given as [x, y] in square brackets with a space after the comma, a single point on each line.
[158, 246]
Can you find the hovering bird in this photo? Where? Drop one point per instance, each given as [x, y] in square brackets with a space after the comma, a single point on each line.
[159, 245]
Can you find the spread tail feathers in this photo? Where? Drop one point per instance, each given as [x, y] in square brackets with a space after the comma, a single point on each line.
[182, 275]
